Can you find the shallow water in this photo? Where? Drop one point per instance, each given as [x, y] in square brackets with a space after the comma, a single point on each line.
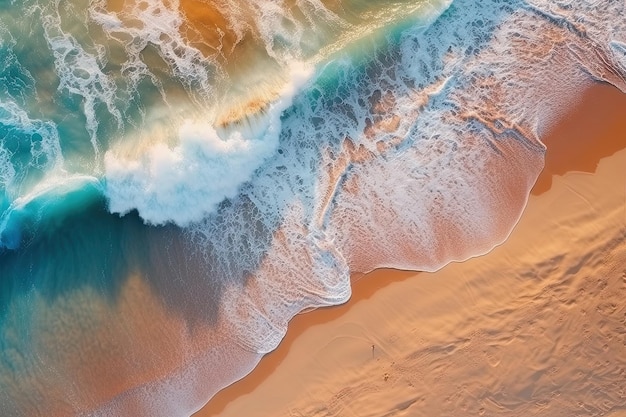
[179, 179]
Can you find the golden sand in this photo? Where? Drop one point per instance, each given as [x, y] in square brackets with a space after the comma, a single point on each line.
[534, 327]
[297, 326]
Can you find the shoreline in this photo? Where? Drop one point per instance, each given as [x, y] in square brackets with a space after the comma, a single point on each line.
[601, 102]
[598, 114]
[364, 290]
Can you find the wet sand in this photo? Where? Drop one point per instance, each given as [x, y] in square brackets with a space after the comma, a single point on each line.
[594, 130]
[535, 327]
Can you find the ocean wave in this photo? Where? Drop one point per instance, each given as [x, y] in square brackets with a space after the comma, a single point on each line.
[185, 183]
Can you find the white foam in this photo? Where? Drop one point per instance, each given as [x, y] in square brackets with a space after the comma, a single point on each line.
[156, 23]
[7, 171]
[184, 183]
[45, 153]
[10, 62]
[80, 73]
[286, 38]
[301, 270]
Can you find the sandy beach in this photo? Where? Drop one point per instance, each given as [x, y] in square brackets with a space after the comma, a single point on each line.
[536, 327]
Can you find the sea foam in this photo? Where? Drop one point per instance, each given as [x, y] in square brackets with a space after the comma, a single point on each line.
[81, 73]
[185, 183]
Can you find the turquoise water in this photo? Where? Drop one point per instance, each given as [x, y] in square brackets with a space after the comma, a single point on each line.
[174, 189]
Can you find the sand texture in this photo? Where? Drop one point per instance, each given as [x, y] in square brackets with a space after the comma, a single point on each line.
[536, 327]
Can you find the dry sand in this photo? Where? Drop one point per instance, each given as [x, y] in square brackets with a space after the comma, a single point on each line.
[536, 327]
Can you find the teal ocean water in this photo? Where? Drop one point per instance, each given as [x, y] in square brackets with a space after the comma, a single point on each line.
[178, 179]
